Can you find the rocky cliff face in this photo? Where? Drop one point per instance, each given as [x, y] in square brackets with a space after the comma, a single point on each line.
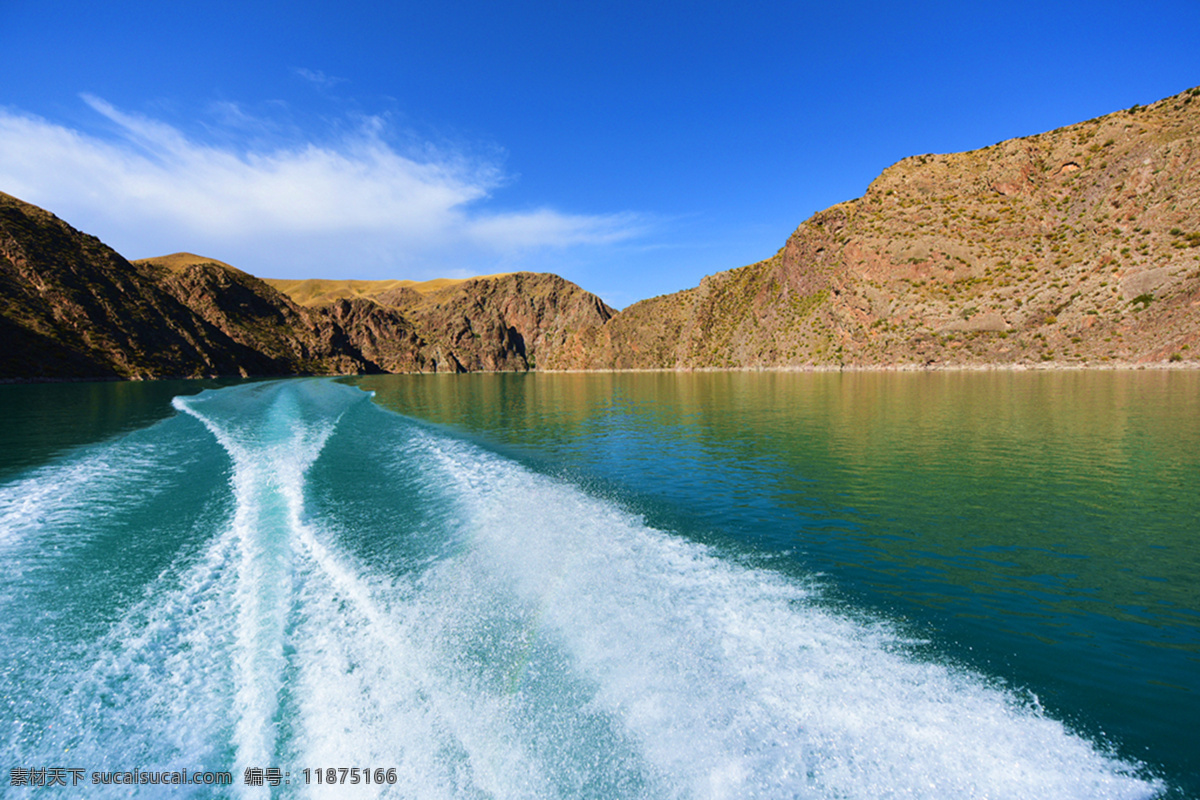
[292, 339]
[71, 307]
[1077, 246]
[495, 323]
[514, 321]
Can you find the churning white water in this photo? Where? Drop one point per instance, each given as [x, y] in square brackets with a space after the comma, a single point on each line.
[549, 645]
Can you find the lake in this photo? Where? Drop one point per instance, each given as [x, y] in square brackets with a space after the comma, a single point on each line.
[857, 585]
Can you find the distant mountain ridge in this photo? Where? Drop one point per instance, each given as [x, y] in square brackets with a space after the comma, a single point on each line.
[1080, 246]
[319, 291]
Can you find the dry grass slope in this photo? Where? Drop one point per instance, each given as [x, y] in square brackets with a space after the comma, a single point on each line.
[177, 262]
[320, 291]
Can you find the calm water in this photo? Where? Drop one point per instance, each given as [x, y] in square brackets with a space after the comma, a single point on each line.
[656, 585]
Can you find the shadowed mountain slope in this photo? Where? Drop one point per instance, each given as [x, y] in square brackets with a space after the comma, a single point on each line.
[72, 308]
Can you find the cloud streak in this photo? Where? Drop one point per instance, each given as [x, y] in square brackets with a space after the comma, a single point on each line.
[356, 206]
[318, 78]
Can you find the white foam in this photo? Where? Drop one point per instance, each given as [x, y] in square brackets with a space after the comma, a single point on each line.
[375, 690]
[735, 682]
[157, 688]
[271, 448]
[62, 496]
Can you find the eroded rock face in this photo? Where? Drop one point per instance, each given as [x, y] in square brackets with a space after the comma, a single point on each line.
[256, 316]
[74, 308]
[511, 322]
[1077, 246]
[70, 307]
[386, 340]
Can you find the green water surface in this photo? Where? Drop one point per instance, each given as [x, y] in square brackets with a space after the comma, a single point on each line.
[1043, 528]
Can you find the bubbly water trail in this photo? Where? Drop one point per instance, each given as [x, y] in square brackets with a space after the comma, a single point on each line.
[374, 692]
[270, 454]
[734, 682]
[63, 495]
[556, 647]
[157, 689]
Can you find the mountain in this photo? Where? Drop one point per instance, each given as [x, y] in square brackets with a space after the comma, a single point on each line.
[254, 315]
[323, 291]
[1077, 246]
[511, 321]
[1080, 246]
[73, 308]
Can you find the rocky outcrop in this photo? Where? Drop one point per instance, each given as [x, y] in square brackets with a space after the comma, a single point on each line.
[1077, 246]
[385, 338]
[293, 339]
[72, 308]
[514, 321]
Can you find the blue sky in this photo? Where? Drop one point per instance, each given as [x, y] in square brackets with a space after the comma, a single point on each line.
[630, 147]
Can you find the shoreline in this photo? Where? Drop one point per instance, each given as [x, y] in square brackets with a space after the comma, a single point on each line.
[1046, 366]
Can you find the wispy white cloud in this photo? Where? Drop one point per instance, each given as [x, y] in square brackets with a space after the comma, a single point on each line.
[544, 227]
[356, 206]
[318, 78]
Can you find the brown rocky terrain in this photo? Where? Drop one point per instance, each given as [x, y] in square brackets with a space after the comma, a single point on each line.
[494, 323]
[72, 308]
[1080, 246]
[257, 317]
[503, 322]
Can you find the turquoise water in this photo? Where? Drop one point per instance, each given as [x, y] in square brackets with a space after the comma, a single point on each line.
[715, 585]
